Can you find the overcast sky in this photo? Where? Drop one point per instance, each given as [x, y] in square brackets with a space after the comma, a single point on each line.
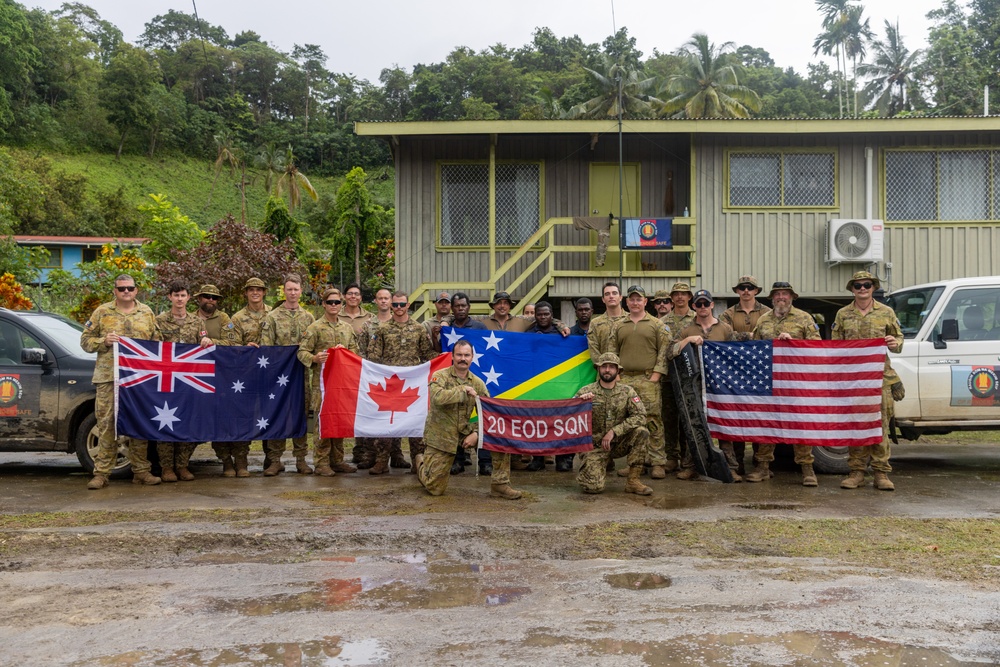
[363, 37]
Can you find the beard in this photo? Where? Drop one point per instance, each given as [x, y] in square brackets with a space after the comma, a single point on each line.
[782, 309]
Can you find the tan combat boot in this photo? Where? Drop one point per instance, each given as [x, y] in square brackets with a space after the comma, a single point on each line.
[687, 474]
[854, 480]
[242, 465]
[657, 472]
[301, 466]
[274, 467]
[146, 478]
[633, 485]
[882, 482]
[504, 491]
[381, 466]
[808, 475]
[168, 475]
[184, 475]
[97, 482]
[760, 472]
[228, 469]
[337, 461]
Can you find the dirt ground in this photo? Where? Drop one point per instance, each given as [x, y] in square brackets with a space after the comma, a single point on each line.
[362, 570]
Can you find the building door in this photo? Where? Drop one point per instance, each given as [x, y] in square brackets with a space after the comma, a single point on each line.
[604, 200]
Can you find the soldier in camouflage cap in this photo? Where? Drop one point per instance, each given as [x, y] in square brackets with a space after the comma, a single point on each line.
[124, 316]
[679, 317]
[866, 318]
[618, 421]
[784, 322]
[662, 303]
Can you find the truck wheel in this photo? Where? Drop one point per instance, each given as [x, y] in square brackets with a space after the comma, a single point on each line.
[830, 460]
[86, 449]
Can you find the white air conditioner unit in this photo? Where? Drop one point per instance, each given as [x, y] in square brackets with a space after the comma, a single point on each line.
[854, 241]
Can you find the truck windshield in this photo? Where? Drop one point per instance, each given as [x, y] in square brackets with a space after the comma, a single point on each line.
[912, 307]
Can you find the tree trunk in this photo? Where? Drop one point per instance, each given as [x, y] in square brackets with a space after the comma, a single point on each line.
[121, 143]
[357, 257]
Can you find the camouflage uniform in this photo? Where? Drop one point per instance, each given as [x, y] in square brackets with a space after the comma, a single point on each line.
[642, 347]
[881, 321]
[139, 323]
[800, 325]
[741, 321]
[599, 334]
[363, 453]
[284, 326]
[174, 455]
[449, 422]
[619, 409]
[321, 335]
[399, 344]
[671, 418]
[246, 328]
[222, 332]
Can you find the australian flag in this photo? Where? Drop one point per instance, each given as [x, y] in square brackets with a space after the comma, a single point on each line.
[175, 392]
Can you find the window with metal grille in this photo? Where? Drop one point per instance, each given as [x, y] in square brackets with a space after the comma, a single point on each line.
[941, 185]
[780, 179]
[465, 204]
[55, 258]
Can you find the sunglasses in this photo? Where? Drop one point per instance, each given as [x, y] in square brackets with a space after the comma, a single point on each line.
[658, 302]
[210, 297]
[745, 288]
[703, 304]
[332, 302]
[862, 285]
[401, 304]
[125, 288]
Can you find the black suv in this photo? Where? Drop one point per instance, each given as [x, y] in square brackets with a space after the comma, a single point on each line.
[46, 393]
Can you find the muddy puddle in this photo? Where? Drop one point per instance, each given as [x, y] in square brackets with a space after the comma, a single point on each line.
[328, 652]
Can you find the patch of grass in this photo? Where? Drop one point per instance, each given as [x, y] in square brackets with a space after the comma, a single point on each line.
[100, 518]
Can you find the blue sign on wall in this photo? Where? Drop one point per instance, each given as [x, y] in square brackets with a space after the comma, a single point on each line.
[646, 233]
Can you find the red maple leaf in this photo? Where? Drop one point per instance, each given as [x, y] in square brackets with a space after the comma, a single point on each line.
[394, 398]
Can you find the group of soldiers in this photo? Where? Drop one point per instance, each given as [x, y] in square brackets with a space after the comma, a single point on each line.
[634, 410]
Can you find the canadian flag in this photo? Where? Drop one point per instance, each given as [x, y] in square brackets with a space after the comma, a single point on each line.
[367, 400]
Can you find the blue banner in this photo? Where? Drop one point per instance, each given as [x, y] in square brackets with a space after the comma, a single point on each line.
[646, 233]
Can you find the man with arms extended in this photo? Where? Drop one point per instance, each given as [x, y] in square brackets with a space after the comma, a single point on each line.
[124, 316]
[618, 423]
[453, 394]
[321, 335]
[177, 325]
[867, 318]
[743, 317]
[784, 322]
[286, 325]
[216, 329]
[398, 342]
[247, 324]
[502, 320]
[641, 342]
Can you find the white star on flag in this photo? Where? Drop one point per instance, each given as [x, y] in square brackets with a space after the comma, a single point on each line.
[238, 387]
[165, 416]
[262, 423]
[492, 376]
[262, 362]
[476, 356]
[453, 337]
[493, 341]
[271, 396]
[282, 380]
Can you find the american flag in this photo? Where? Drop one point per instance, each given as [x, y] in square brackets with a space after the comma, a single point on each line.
[803, 392]
[165, 362]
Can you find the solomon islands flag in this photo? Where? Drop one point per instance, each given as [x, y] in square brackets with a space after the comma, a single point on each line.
[175, 392]
[526, 366]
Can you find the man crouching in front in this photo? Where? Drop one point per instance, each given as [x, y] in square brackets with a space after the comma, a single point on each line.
[619, 421]
[453, 394]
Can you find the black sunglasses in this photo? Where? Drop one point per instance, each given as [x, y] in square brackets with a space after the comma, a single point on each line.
[125, 288]
[862, 285]
[402, 304]
[332, 302]
[210, 297]
[657, 302]
[745, 288]
[703, 304]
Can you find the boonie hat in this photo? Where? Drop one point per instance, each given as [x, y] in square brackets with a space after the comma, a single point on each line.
[635, 289]
[254, 282]
[208, 290]
[443, 296]
[864, 275]
[703, 294]
[500, 296]
[661, 294]
[782, 285]
[609, 358]
[682, 287]
[747, 280]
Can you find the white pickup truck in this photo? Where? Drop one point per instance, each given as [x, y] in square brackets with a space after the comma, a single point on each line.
[949, 364]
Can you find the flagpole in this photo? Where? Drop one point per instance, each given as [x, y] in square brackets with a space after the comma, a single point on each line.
[479, 442]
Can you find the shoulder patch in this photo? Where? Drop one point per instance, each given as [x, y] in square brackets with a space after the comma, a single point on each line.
[230, 325]
[636, 399]
[88, 324]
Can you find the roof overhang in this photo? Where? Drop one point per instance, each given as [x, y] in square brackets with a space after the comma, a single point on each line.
[393, 130]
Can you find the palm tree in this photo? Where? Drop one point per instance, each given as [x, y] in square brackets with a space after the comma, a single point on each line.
[709, 88]
[857, 34]
[621, 89]
[270, 160]
[227, 153]
[891, 72]
[831, 41]
[294, 181]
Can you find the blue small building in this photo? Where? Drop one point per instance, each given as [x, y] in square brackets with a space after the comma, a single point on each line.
[66, 252]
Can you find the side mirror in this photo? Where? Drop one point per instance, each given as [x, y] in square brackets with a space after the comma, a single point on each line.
[949, 331]
[34, 355]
